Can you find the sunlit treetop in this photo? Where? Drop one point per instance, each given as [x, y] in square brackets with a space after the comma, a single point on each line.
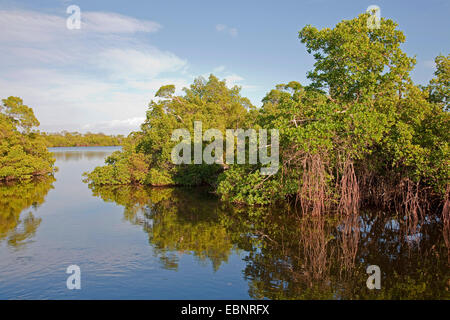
[353, 60]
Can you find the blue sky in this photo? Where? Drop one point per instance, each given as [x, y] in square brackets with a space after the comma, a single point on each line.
[101, 77]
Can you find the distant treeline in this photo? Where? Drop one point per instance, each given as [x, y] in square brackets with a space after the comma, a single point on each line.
[76, 139]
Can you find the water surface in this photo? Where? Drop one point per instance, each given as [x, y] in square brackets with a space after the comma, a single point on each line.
[166, 243]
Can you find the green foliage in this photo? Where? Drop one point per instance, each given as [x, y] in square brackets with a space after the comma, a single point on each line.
[209, 101]
[361, 111]
[361, 108]
[18, 114]
[122, 167]
[157, 177]
[245, 185]
[165, 91]
[354, 62]
[439, 87]
[196, 175]
[23, 153]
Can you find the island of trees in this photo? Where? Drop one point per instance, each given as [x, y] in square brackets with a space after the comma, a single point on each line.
[361, 133]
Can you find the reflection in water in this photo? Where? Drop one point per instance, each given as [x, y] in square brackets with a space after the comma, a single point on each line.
[326, 257]
[17, 226]
[289, 256]
[193, 246]
[77, 155]
[349, 237]
[175, 221]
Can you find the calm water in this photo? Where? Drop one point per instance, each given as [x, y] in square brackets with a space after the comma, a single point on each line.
[135, 243]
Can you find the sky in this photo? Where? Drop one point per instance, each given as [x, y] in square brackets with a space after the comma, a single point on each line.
[101, 77]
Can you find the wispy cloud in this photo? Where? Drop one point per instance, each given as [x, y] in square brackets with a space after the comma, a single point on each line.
[98, 78]
[226, 29]
[32, 26]
[231, 79]
[82, 78]
[107, 22]
[218, 69]
[124, 125]
[148, 62]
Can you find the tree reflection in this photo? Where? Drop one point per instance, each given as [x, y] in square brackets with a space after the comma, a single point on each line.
[17, 226]
[175, 220]
[290, 256]
[79, 155]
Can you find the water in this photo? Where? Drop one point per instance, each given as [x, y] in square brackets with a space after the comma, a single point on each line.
[166, 243]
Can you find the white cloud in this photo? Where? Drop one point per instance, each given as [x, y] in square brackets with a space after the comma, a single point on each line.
[115, 126]
[149, 62]
[218, 69]
[98, 78]
[221, 27]
[80, 79]
[237, 80]
[30, 26]
[226, 29]
[233, 79]
[154, 85]
[73, 98]
[106, 22]
[233, 32]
